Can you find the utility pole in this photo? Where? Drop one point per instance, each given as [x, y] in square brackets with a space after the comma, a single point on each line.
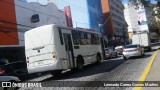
[100, 30]
[124, 38]
[102, 38]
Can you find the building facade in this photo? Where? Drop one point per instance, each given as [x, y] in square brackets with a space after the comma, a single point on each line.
[115, 26]
[95, 15]
[84, 13]
[15, 22]
[19, 17]
[47, 14]
[139, 18]
[131, 15]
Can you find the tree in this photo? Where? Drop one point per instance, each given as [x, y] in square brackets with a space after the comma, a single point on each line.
[146, 3]
[155, 24]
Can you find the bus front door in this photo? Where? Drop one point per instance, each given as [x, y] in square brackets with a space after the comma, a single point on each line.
[69, 50]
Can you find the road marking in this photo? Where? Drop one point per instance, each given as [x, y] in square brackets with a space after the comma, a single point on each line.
[147, 69]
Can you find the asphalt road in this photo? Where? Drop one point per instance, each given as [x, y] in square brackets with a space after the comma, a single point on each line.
[115, 69]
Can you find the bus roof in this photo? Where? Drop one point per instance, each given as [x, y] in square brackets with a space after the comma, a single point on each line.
[70, 28]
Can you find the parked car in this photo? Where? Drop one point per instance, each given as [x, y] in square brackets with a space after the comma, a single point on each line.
[110, 53]
[12, 69]
[133, 50]
[9, 78]
[119, 49]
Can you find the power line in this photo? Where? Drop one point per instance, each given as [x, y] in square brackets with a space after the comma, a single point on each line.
[73, 5]
[8, 29]
[16, 23]
[78, 8]
[30, 9]
[11, 36]
[75, 9]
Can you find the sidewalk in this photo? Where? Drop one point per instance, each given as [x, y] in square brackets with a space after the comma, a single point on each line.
[154, 74]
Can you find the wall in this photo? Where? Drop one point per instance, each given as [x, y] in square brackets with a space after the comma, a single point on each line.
[8, 27]
[48, 14]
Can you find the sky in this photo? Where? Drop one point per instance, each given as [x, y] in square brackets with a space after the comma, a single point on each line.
[45, 1]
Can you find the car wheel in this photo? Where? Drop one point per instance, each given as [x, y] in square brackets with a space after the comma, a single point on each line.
[149, 49]
[98, 59]
[116, 55]
[143, 54]
[111, 56]
[125, 58]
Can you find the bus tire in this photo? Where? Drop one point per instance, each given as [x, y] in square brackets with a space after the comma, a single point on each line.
[79, 63]
[98, 57]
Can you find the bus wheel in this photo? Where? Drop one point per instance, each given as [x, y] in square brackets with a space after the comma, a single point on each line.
[98, 57]
[80, 64]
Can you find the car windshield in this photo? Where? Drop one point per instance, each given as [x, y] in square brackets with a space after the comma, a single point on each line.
[119, 47]
[131, 46]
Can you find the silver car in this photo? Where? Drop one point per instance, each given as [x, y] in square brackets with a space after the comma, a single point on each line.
[119, 49]
[133, 50]
[110, 53]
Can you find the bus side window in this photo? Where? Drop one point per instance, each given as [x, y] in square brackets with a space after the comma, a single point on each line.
[82, 38]
[88, 39]
[92, 39]
[60, 36]
[97, 40]
[75, 37]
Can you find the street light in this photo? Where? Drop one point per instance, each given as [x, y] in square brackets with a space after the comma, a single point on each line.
[124, 35]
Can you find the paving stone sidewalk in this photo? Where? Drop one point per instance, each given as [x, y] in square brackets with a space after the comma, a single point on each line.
[154, 74]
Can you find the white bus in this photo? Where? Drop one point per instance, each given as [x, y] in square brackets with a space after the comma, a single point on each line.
[56, 48]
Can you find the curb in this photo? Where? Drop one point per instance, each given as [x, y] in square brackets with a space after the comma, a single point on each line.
[146, 71]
